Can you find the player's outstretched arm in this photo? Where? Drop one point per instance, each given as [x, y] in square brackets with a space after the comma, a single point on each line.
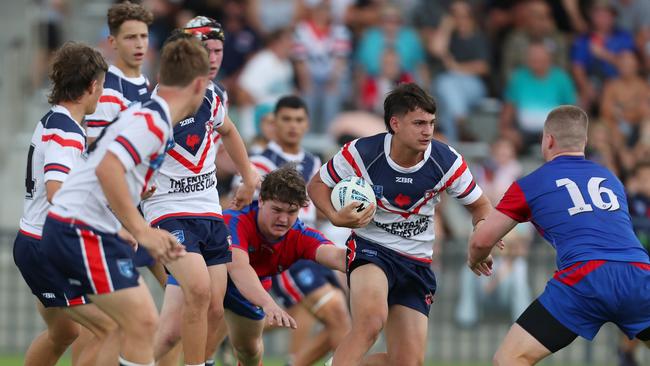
[348, 216]
[111, 176]
[331, 256]
[235, 147]
[484, 238]
[247, 282]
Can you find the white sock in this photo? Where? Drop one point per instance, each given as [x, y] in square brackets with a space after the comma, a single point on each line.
[198, 364]
[124, 362]
[209, 362]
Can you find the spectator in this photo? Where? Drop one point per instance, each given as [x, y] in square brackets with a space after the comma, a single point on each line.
[538, 27]
[625, 102]
[267, 16]
[265, 78]
[594, 53]
[506, 289]
[50, 38]
[500, 170]
[321, 53]
[600, 147]
[391, 33]
[375, 89]
[632, 15]
[461, 47]
[241, 43]
[531, 93]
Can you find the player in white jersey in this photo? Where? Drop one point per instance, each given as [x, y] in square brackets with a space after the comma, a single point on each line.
[56, 147]
[307, 289]
[389, 255]
[186, 203]
[128, 26]
[101, 196]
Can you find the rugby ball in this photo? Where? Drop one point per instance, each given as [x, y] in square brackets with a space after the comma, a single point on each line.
[352, 189]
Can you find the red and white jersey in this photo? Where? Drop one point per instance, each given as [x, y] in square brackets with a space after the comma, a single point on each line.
[273, 157]
[139, 138]
[119, 93]
[56, 146]
[406, 197]
[186, 183]
[319, 47]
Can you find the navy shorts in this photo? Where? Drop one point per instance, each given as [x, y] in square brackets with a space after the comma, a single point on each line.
[237, 303]
[301, 279]
[142, 258]
[588, 294]
[39, 274]
[210, 238]
[90, 261]
[411, 283]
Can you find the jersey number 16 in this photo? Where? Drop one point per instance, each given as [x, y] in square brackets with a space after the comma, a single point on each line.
[596, 193]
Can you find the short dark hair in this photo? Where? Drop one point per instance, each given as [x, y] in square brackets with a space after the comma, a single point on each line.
[285, 185]
[405, 98]
[182, 61]
[122, 12]
[290, 101]
[73, 70]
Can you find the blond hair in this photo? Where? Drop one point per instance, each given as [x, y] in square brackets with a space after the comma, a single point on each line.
[183, 60]
[568, 124]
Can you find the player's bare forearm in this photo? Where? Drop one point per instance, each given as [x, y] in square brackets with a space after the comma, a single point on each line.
[332, 257]
[486, 235]
[51, 187]
[319, 193]
[235, 147]
[479, 209]
[111, 176]
[246, 280]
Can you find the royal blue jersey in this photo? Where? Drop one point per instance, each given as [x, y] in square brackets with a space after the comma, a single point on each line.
[579, 207]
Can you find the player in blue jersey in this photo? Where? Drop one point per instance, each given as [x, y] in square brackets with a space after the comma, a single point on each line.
[581, 209]
[56, 147]
[390, 251]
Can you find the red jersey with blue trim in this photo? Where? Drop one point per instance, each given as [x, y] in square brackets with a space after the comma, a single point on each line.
[406, 197]
[119, 93]
[57, 144]
[579, 207]
[139, 138]
[269, 258]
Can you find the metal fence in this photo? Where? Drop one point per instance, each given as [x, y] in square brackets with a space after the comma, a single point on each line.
[447, 342]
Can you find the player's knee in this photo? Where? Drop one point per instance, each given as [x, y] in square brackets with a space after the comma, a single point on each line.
[249, 348]
[104, 327]
[64, 333]
[144, 325]
[502, 358]
[197, 294]
[370, 326]
[215, 312]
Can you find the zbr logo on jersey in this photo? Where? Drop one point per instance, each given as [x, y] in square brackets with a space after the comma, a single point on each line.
[180, 235]
[126, 267]
[404, 180]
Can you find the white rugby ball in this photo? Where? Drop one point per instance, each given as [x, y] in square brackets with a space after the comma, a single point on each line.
[352, 189]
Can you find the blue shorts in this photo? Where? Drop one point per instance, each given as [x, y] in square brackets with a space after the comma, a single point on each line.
[142, 258]
[39, 274]
[588, 294]
[411, 283]
[210, 238]
[90, 261]
[237, 303]
[301, 279]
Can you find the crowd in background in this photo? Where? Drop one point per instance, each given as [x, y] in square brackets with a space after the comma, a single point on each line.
[515, 58]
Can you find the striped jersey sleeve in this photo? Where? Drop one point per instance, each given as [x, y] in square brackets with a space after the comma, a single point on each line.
[63, 143]
[340, 166]
[457, 179]
[110, 104]
[140, 140]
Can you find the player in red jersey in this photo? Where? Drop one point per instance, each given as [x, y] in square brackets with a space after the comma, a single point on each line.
[267, 237]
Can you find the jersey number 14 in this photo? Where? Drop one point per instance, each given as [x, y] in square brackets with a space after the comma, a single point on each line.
[596, 193]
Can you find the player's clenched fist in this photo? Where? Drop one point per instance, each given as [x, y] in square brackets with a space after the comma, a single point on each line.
[162, 245]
